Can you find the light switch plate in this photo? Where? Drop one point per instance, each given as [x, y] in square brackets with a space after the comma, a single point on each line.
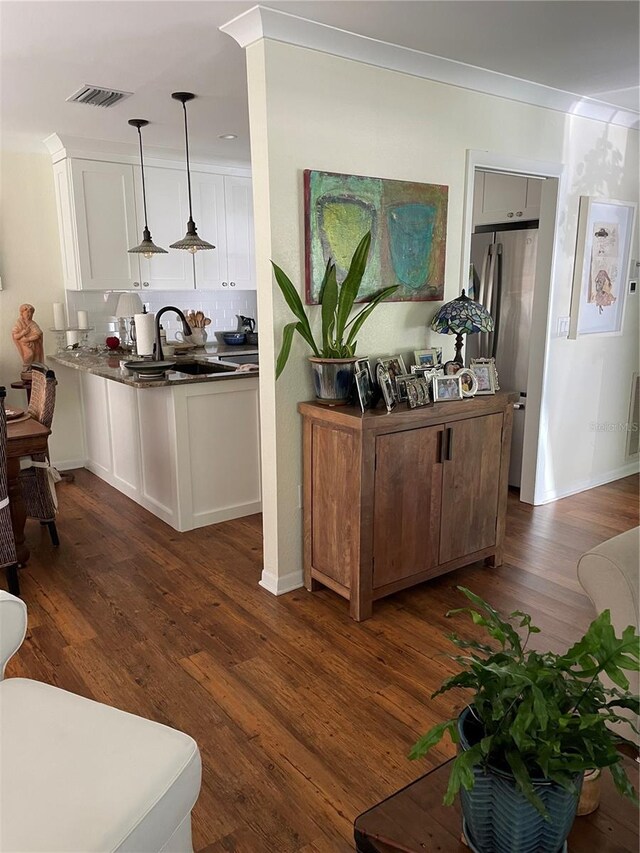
[563, 326]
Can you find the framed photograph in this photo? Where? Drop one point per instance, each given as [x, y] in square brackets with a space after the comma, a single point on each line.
[451, 368]
[364, 387]
[365, 364]
[394, 365]
[601, 268]
[417, 389]
[426, 357]
[386, 387]
[486, 375]
[401, 386]
[446, 388]
[468, 382]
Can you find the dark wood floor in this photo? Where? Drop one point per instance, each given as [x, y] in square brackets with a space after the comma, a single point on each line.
[303, 717]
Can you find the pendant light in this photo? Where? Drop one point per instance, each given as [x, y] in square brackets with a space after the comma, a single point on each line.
[147, 248]
[191, 242]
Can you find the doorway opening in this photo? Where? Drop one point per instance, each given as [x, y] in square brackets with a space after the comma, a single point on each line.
[509, 243]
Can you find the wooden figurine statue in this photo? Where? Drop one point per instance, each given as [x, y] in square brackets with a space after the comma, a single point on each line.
[27, 336]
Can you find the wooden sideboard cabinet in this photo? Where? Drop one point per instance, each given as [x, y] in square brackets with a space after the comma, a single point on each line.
[391, 500]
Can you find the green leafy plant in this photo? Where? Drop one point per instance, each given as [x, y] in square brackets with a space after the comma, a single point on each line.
[339, 333]
[539, 714]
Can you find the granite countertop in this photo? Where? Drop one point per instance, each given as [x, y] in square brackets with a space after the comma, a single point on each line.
[107, 365]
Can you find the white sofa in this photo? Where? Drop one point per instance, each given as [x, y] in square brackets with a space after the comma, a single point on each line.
[610, 575]
[77, 776]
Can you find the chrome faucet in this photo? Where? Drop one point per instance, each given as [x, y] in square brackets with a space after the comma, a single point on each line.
[158, 355]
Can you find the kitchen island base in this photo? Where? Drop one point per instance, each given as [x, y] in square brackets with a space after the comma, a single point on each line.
[189, 453]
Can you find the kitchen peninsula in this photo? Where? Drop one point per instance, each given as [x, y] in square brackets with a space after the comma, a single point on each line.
[186, 447]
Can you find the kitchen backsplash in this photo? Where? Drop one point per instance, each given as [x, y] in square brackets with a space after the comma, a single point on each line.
[221, 306]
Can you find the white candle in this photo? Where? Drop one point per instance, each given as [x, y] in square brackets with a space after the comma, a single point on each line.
[83, 320]
[59, 321]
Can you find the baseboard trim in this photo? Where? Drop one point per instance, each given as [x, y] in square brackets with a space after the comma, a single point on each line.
[279, 585]
[69, 464]
[591, 483]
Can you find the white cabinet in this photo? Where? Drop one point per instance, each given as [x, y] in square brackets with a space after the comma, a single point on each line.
[168, 211]
[101, 216]
[500, 198]
[223, 211]
[103, 196]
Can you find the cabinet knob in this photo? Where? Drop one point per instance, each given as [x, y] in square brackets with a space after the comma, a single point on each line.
[224, 284]
[136, 284]
[232, 283]
[510, 215]
[519, 213]
[145, 284]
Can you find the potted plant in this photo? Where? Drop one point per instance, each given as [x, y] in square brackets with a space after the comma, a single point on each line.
[333, 361]
[535, 723]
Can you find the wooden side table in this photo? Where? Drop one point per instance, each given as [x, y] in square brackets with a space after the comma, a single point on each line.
[414, 820]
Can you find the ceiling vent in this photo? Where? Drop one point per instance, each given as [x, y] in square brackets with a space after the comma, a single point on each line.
[95, 96]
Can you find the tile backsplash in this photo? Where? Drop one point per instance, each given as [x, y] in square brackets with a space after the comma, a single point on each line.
[221, 306]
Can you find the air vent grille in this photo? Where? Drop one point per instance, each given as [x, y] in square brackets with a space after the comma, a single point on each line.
[96, 96]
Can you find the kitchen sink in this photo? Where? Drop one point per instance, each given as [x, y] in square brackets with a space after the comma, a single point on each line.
[197, 368]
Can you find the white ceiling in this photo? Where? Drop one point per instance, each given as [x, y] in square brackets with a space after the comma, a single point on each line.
[151, 48]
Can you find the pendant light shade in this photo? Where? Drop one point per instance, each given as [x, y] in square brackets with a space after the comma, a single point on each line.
[147, 248]
[191, 242]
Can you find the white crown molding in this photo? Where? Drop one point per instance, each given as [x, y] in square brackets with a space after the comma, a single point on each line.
[261, 22]
[78, 147]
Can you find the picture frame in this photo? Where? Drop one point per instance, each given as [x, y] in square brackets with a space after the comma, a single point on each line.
[447, 388]
[601, 266]
[386, 387]
[401, 386]
[364, 388]
[486, 375]
[394, 365]
[469, 382]
[426, 357]
[364, 364]
[417, 389]
[451, 368]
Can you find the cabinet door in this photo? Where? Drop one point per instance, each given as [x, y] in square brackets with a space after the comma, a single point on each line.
[97, 424]
[209, 215]
[168, 211]
[470, 480]
[105, 209]
[406, 504]
[238, 197]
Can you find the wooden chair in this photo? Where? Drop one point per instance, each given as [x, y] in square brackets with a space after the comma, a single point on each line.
[37, 490]
[8, 559]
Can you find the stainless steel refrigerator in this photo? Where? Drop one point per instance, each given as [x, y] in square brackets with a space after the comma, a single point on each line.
[504, 268]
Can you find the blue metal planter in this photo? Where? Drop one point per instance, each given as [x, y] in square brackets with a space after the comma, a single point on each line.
[498, 818]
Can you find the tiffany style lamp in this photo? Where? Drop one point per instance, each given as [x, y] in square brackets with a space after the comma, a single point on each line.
[462, 316]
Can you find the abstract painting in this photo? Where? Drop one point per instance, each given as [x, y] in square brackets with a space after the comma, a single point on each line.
[605, 229]
[408, 223]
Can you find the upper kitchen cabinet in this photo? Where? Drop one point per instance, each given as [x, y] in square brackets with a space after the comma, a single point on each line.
[168, 209]
[223, 211]
[98, 224]
[500, 198]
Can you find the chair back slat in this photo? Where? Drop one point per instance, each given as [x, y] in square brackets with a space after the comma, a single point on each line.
[43, 394]
[3, 446]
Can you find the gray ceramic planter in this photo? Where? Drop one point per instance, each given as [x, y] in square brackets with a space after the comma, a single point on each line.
[498, 818]
[333, 380]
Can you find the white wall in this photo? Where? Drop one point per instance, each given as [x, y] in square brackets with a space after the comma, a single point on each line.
[312, 110]
[31, 271]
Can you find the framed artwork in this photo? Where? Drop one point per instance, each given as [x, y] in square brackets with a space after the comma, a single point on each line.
[447, 388]
[364, 387]
[408, 224]
[468, 381]
[401, 386]
[486, 375]
[601, 268]
[451, 368]
[417, 389]
[364, 364]
[427, 357]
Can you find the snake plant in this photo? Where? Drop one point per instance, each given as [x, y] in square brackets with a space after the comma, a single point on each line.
[336, 301]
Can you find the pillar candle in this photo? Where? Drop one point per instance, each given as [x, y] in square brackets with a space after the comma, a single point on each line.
[59, 321]
[83, 320]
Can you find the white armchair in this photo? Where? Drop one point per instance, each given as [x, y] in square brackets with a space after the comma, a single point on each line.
[77, 776]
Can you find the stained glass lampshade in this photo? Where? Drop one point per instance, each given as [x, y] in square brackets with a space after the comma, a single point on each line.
[462, 316]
